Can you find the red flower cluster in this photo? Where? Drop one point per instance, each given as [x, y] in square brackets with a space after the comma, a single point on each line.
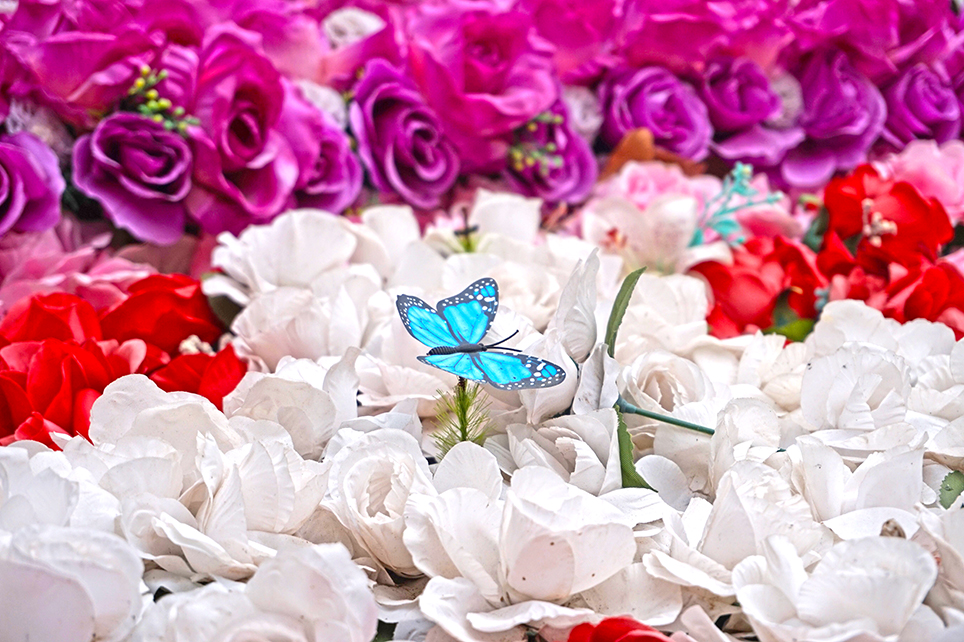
[616, 629]
[882, 246]
[57, 354]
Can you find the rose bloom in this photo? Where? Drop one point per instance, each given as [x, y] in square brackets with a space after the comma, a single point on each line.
[140, 172]
[843, 114]
[936, 171]
[737, 94]
[400, 138]
[746, 293]
[30, 184]
[616, 629]
[652, 97]
[254, 140]
[932, 291]
[53, 365]
[484, 72]
[57, 355]
[921, 104]
[163, 309]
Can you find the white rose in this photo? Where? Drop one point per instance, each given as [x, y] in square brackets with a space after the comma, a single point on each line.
[371, 477]
[304, 594]
[68, 584]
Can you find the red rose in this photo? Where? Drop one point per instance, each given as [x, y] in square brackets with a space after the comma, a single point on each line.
[932, 292]
[895, 223]
[163, 310]
[763, 269]
[50, 316]
[58, 381]
[209, 375]
[616, 629]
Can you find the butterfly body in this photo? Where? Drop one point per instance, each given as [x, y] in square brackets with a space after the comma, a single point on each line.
[454, 335]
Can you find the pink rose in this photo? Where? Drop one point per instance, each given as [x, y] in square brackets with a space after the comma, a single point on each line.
[936, 171]
[63, 259]
[642, 183]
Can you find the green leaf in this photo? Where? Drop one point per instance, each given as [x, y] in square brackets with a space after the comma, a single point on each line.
[631, 478]
[385, 633]
[951, 488]
[619, 308]
[787, 322]
[818, 228]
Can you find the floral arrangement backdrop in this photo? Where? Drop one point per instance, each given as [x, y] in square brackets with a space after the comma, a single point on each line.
[734, 225]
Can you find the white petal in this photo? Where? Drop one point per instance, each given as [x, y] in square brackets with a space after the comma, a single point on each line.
[37, 603]
[317, 584]
[576, 314]
[533, 613]
[632, 591]
[448, 603]
[469, 465]
[456, 534]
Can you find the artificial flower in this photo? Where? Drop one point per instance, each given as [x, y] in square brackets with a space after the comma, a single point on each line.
[652, 97]
[401, 140]
[616, 629]
[140, 172]
[32, 184]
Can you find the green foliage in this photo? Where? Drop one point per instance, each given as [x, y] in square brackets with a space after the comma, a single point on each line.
[951, 488]
[619, 307]
[631, 478]
[462, 416]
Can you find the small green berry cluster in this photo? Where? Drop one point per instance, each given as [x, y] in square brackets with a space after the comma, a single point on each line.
[535, 147]
[144, 98]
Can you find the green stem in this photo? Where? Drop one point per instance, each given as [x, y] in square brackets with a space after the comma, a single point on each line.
[624, 406]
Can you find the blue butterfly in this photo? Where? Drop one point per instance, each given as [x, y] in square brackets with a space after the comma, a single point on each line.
[455, 330]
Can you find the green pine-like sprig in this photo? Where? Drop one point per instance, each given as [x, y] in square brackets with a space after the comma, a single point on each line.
[462, 416]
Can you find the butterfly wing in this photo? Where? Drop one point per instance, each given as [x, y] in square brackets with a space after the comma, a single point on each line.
[424, 323]
[460, 364]
[470, 312]
[513, 371]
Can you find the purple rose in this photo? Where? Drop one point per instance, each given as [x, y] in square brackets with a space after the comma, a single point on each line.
[245, 169]
[843, 114]
[737, 94]
[921, 104]
[330, 176]
[484, 72]
[400, 138]
[551, 161]
[139, 171]
[654, 98]
[30, 184]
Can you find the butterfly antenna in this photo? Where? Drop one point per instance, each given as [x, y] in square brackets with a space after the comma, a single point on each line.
[498, 343]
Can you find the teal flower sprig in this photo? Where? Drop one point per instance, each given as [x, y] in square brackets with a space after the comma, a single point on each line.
[719, 213]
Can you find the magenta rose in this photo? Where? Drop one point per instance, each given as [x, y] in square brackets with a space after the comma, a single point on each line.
[921, 104]
[843, 114]
[583, 33]
[484, 72]
[652, 97]
[245, 170]
[30, 184]
[140, 172]
[400, 138]
[81, 74]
